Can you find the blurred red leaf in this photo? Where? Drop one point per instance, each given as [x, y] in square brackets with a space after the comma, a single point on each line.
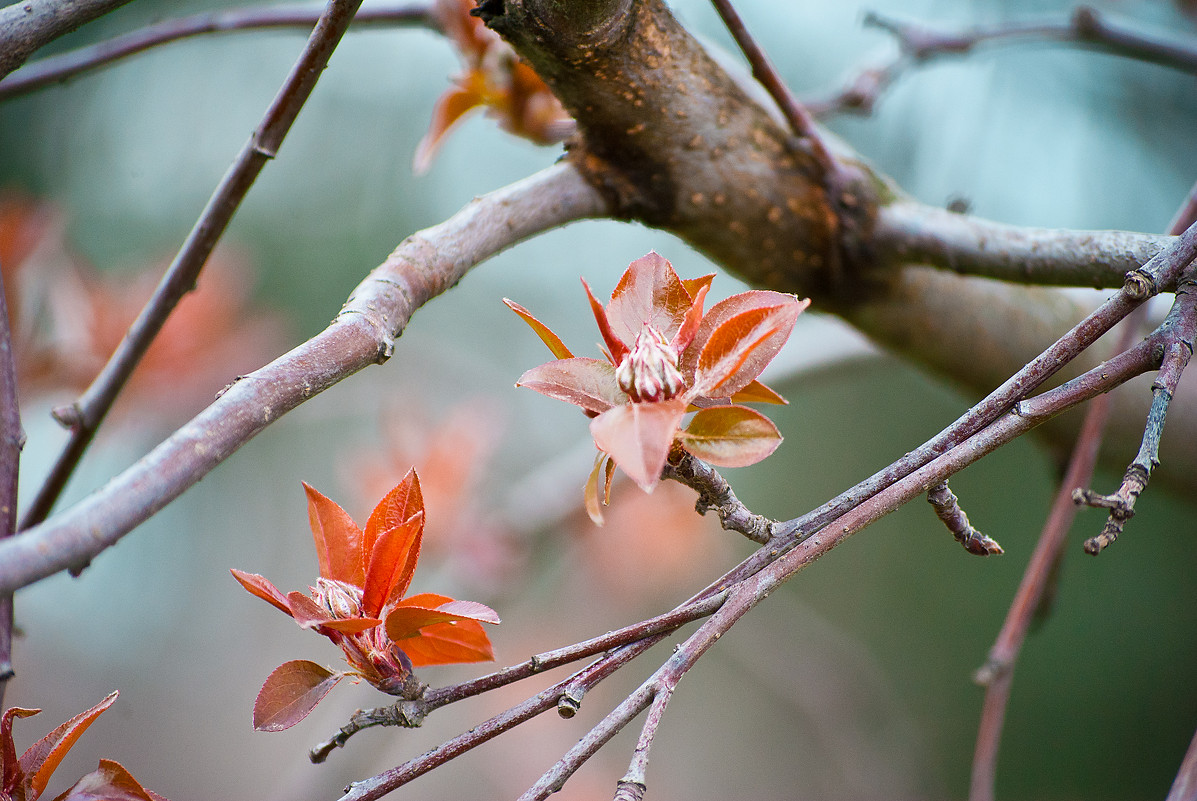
[109, 782]
[638, 437]
[730, 436]
[290, 692]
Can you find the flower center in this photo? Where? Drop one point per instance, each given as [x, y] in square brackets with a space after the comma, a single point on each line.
[343, 600]
[649, 371]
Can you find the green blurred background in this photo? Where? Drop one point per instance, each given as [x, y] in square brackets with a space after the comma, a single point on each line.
[853, 682]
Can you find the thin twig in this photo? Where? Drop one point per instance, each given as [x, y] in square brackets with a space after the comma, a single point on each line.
[919, 44]
[714, 493]
[12, 440]
[29, 25]
[85, 415]
[947, 509]
[998, 672]
[413, 712]
[1184, 787]
[1181, 331]
[424, 265]
[64, 66]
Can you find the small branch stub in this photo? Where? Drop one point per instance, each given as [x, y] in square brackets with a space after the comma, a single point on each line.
[947, 508]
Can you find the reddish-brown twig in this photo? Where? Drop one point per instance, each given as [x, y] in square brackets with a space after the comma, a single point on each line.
[85, 415]
[64, 66]
[715, 494]
[947, 509]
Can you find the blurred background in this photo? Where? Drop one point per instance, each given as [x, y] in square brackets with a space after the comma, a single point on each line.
[853, 682]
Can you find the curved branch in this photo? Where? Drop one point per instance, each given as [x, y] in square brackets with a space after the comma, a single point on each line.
[909, 232]
[422, 267]
[61, 67]
[87, 413]
[29, 25]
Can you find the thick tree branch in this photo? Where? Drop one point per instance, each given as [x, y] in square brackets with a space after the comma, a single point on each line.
[31, 24]
[64, 66]
[422, 267]
[87, 413]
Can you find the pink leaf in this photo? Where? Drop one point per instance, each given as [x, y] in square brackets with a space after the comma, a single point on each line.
[589, 383]
[543, 331]
[736, 352]
[649, 293]
[638, 437]
[616, 347]
[290, 693]
[730, 436]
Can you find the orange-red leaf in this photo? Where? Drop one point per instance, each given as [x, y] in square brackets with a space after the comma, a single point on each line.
[312, 615]
[730, 436]
[689, 328]
[736, 352]
[43, 757]
[12, 774]
[262, 588]
[638, 436]
[426, 609]
[585, 382]
[692, 285]
[457, 101]
[546, 334]
[649, 293]
[449, 644]
[723, 311]
[398, 506]
[338, 539]
[109, 782]
[756, 392]
[290, 692]
[616, 347]
[392, 563]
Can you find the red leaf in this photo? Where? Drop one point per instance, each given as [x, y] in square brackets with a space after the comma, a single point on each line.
[756, 392]
[312, 615]
[638, 436]
[692, 285]
[589, 383]
[450, 107]
[689, 328]
[109, 782]
[723, 311]
[449, 644]
[41, 759]
[392, 563]
[414, 613]
[12, 773]
[649, 293]
[736, 352]
[543, 331]
[290, 692]
[262, 588]
[730, 436]
[398, 506]
[338, 539]
[616, 347]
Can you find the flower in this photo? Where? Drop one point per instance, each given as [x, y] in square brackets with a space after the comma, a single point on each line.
[358, 602]
[665, 358]
[495, 79]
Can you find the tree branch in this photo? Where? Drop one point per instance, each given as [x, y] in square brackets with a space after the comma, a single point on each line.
[919, 44]
[12, 440]
[87, 413]
[59, 68]
[31, 24]
[422, 267]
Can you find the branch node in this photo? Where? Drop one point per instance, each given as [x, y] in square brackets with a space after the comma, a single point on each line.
[947, 508]
[629, 790]
[1140, 285]
[991, 671]
[714, 493]
[69, 416]
[570, 701]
